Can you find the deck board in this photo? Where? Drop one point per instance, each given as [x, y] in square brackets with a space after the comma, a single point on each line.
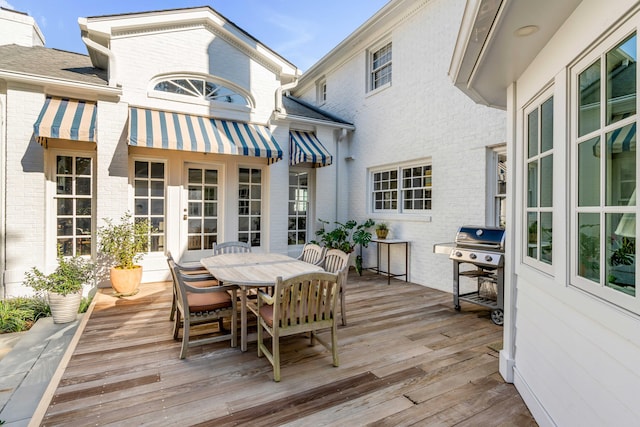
[406, 358]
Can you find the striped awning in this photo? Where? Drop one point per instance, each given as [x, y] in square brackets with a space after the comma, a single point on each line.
[176, 131]
[305, 147]
[619, 141]
[66, 118]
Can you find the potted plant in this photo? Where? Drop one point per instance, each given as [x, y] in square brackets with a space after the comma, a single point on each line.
[345, 236]
[382, 229]
[63, 287]
[125, 243]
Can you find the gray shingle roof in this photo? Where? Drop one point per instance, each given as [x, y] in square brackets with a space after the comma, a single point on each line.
[53, 63]
[298, 107]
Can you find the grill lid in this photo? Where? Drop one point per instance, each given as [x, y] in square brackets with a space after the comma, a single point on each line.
[473, 236]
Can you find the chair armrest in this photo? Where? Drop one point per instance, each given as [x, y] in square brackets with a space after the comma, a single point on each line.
[262, 295]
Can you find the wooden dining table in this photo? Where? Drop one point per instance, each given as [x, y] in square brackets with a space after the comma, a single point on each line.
[253, 270]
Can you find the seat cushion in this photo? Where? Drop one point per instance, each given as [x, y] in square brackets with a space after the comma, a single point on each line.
[208, 302]
[266, 312]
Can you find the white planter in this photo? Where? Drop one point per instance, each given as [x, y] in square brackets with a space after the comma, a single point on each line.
[64, 308]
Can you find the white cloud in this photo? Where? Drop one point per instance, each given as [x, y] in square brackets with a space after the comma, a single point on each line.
[6, 5]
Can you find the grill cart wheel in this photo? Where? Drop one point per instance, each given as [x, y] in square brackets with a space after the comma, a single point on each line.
[497, 317]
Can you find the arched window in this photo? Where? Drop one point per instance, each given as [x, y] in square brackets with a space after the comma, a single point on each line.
[200, 88]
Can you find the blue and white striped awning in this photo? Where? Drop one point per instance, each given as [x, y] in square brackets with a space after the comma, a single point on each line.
[66, 118]
[305, 147]
[619, 141]
[176, 131]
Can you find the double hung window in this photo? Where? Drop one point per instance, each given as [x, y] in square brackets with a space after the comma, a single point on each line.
[401, 189]
[380, 67]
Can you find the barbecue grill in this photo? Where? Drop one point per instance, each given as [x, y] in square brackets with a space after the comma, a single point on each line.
[482, 249]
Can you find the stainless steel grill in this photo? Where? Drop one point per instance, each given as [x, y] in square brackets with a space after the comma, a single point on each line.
[479, 250]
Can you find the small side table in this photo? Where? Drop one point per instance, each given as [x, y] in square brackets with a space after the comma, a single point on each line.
[389, 243]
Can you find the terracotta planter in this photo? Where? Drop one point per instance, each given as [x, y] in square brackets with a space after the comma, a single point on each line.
[64, 308]
[125, 281]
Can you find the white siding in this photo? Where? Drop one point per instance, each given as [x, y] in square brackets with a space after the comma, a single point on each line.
[576, 356]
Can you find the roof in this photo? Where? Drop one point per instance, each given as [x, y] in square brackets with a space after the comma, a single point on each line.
[50, 63]
[297, 107]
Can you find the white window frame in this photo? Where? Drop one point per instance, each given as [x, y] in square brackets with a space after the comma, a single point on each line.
[371, 71]
[197, 97]
[399, 168]
[308, 207]
[52, 249]
[263, 185]
[321, 92]
[495, 175]
[132, 180]
[599, 51]
[535, 105]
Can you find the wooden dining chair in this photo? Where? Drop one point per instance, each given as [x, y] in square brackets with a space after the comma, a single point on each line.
[336, 261]
[299, 304]
[313, 254]
[205, 279]
[231, 248]
[198, 305]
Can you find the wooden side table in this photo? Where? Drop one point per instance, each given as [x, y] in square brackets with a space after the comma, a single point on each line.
[389, 243]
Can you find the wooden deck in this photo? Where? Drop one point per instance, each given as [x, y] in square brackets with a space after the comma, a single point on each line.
[406, 358]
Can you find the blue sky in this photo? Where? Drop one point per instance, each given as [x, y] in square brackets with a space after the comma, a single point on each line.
[302, 31]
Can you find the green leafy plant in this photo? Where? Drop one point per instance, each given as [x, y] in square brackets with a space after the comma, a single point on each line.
[20, 313]
[625, 253]
[345, 236]
[125, 241]
[382, 226]
[68, 277]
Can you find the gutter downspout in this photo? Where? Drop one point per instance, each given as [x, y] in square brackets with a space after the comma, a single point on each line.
[282, 88]
[106, 51]
[341, 137]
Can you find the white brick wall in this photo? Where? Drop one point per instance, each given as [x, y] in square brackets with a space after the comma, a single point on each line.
[25, 189]
[422, 115]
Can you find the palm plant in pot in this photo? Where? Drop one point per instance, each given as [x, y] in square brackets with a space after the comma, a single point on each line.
[63, 287]
[125, 243]
[346, 236]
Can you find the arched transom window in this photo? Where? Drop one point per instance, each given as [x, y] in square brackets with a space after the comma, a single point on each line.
[201, 88]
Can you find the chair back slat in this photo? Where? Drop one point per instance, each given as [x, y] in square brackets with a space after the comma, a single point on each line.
[305, 299]
[335, 261]
[313, 254]
[231, 248]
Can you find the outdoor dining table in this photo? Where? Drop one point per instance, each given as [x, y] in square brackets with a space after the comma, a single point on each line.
[251, 270]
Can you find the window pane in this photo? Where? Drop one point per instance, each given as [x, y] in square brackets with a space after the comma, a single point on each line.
[589, 103]
[546, 126]
[83, 166]
[142, 169]
[65, 206]
[620, 166]
[64, 165]
[532, 240]
[621, 252]
[157, 170]
[589, 246]
[589, 172]
[546, 228]
[621, 80]
[533, 134]
[546, 181]
[83, 186]
[532, 190]
[195, 176]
